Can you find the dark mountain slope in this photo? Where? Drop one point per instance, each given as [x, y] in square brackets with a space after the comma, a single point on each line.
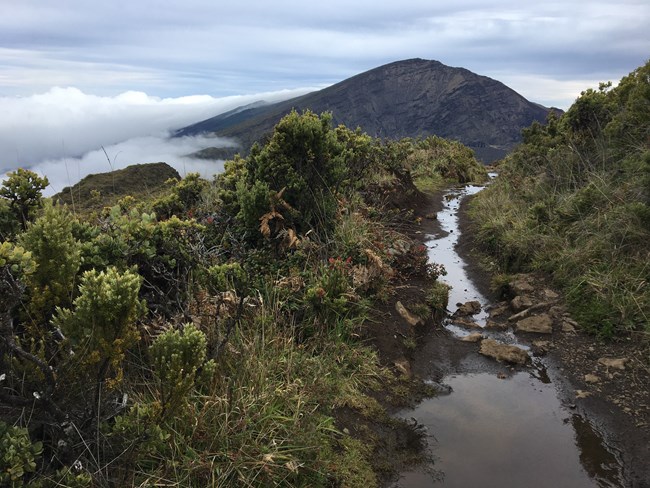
[224, 120]
[408, 98]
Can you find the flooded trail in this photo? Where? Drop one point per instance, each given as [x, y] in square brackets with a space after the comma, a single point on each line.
[501, 426]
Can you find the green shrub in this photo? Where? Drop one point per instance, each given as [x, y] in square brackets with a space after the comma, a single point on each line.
[101, 325]
[177, 356]
[225, 277]
[58, 256]
[302, 161]
[437, 297]
[23, 190]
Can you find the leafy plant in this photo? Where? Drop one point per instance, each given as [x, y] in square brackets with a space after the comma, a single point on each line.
[17, 454]
[57, 255]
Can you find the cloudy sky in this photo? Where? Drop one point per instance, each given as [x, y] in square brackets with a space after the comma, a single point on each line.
[76, 74]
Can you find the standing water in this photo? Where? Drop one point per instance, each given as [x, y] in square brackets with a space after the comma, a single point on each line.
[509, 430]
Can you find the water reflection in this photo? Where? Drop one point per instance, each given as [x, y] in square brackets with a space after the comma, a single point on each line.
[493, 432]
[601, 461]
[502, 432]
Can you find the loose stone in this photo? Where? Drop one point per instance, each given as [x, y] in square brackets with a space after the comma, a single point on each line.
[503, 352]
[613, 363]
[539, 324]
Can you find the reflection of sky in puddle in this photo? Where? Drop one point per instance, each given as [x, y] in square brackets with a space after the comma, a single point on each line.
[443, 251]
[491, 432]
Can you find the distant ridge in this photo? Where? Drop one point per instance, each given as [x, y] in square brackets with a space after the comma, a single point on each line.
[105, 189]
[411, 98]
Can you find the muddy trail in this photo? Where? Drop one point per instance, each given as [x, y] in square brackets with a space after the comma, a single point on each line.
[526, 398]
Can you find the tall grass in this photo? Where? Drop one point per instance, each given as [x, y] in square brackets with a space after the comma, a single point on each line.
[573, 201]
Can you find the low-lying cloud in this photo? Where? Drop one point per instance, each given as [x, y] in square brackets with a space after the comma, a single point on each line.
[60, 133]
[62, 172]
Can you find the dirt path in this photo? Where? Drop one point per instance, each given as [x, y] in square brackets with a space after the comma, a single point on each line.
[614, 401]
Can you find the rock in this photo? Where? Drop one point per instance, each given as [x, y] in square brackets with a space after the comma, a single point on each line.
[582, 394]
[408, 316]
[592, 378]
[557, 311]
[525, 313]
[467, 308]
[550, 294]
[491, 324]
[503, 352]
[540, 348]
[520, 302]
[497, 311]
[613, 363]
[473, 337]
[568, 327]
[465, 322]
[570, 322]
[403, 366]
[538, 324]
[521, 285]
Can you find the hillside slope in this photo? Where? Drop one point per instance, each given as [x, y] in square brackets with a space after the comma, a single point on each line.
[105, 189]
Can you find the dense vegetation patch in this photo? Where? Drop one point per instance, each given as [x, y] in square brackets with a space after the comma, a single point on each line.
[574, 200]
[206, 335]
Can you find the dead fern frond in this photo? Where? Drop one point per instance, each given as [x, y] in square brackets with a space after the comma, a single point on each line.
[265, 219]
[278, 200]
[291, 240]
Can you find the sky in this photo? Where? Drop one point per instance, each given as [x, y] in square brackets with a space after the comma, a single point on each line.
[78, 74]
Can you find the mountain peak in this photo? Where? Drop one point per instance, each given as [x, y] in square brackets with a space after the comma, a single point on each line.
[408, 98]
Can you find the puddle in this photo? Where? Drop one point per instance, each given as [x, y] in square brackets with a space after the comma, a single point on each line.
[442, 251]
[493, 432]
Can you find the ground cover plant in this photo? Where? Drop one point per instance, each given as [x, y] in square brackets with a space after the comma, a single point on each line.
[206, 335]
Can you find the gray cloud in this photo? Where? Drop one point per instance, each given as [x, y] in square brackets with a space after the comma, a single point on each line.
[60, 133]
[199, 46]
[115, 53]
[66, 122]
[62, 172]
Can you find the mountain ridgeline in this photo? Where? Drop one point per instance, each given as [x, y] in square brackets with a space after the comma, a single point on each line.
[412, 98]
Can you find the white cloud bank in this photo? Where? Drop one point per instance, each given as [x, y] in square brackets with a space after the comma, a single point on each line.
[60, 133]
